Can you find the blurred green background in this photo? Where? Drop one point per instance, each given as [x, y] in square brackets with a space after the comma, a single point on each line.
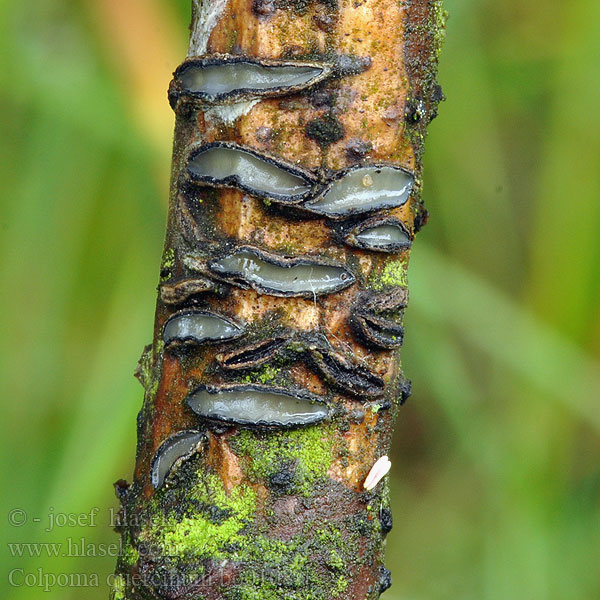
[496, 481]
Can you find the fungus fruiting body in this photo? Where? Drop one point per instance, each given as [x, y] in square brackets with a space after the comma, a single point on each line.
[197, 327]
[380, 235]
[253, 355]
[257, 405]
[386, 520]
[378, 331]
[229, 78]
[172, 452]
[376, 318]
[363, 190]
[279, 276]
[347, 376]
[225, 164]
[385, 579]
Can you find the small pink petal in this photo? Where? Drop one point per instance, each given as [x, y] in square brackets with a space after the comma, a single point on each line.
[378, 471]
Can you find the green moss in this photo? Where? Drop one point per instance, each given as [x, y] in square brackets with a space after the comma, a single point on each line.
[201, 535]
[129, 555]
[395, 274]
[118, 588]
[264, 375]
[297, 578]
[206, 525]
[167, 264]
[309, 449]
[341, 585]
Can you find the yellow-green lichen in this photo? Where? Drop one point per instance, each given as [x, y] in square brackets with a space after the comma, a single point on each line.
[129, 555]
[341, 585]
[293, 563]
[168, 258]
[208, 526]
[118, 588]
[264, 375]
[395, 274]
[201, 535]
[308, 451]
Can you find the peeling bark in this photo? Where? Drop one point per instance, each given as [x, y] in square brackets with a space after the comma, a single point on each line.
[265, 509]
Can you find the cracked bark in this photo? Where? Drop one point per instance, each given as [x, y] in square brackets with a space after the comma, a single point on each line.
[277, 509]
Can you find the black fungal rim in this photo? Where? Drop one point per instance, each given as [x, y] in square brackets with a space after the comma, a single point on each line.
[368, 316]
[238, 278]
[177, 92]
[270, 348]
[376, 331]
[309, 207]
[233, 181]
[181, 459]
[190, 340]
[381, 302]
[351, 240]
[300, 394]
[326, 363]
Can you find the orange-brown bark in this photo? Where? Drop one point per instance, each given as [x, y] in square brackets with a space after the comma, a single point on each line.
[287, 504]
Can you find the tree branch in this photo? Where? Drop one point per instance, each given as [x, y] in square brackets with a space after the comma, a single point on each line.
[274, 378]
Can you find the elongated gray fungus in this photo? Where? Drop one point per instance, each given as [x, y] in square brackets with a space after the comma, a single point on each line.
[230, 165]
[198, 327]
[363, 190]
[380, 235]
[227, 79]
[173, 452]
[257, 405]
[277, 276]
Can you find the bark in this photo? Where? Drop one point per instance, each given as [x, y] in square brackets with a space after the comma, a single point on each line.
[270, 505]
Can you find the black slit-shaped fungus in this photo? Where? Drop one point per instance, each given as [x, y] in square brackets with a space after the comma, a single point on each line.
[405, 391]
[345, 375]
[377, 331]
[253, 355]
[262, 406]
[363, 189]
[372, 322]
[277, 276]
[394, 299]
[178, 292]
[381, 234]
[385, 579]
[226, 164]
[199, 327]
[224, 79]
[175, 450]
[387, 522]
